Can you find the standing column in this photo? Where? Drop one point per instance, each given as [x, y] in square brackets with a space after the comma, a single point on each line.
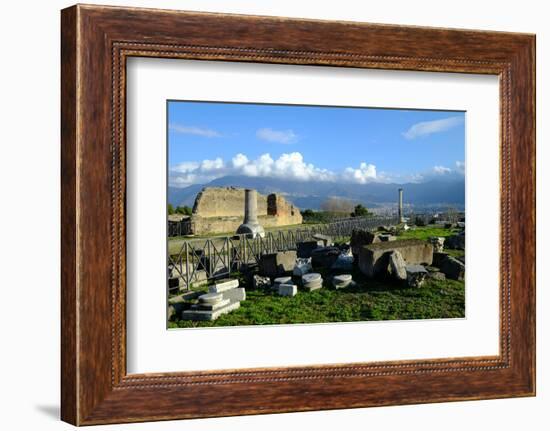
[250, 227]
[250, 206]
[400, 207]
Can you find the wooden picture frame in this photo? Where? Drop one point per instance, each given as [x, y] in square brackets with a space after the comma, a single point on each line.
[95, 43]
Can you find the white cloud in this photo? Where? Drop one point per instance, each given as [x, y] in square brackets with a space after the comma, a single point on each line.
[364, 174]
[186, 167]
[278, 136]
[441, 170]
[425, 128]
[460, 167]
[187, 173]
[194, 130]
[212, 165]
[288, 166]
[292, 166]
[239, 161]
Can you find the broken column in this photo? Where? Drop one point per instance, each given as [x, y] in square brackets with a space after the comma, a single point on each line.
[250, 226]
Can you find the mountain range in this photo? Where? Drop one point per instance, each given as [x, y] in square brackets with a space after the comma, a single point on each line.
[439, 193]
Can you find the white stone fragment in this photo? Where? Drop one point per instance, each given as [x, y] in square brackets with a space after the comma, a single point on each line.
[312, 281]
[209, 314]
[211, 298]
[223, 285]
[237, 294]
[282, 280]
[211, 307]
[288, 289]
[302, 267]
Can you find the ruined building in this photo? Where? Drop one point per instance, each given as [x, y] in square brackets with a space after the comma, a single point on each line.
[221, 209]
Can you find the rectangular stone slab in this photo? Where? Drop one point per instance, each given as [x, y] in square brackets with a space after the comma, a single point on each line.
[238, 294]
[313, 286]
[374, 258]
[211, 307]
[209, 315]
[277, 264]
[184, 296]
[223, 285]
[288, 289]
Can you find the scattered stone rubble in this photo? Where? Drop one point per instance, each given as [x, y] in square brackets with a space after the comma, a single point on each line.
[281, 280]
[410, 261]
[451, 267]
[277, 264]
[360, 238]
[456, 242]
[344, 262]
[302, 266]
[324, 239]
[397, 266]
[324, 257]
[341, 281]
[260, 282]
[312, 281]
[437, 243]
[374, 258]
[376, 254]
[416, 274]
[287, 290]
[305, 248]
[222, 298]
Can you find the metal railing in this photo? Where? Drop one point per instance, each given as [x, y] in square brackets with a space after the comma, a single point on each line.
[179, 228]
[200, 260]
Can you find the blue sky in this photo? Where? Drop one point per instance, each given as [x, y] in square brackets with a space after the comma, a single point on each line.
[361, 145]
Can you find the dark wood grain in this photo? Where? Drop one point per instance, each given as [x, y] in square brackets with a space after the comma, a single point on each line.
[96, 41]
[69, 331]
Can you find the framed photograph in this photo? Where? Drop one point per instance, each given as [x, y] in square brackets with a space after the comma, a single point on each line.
[265, 215]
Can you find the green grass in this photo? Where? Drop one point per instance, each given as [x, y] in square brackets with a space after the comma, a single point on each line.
[369, 300]
[426, 232]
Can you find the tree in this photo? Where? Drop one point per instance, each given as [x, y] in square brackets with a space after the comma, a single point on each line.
[185, 210]
[170, 209]
[337, 205]
[360, 211]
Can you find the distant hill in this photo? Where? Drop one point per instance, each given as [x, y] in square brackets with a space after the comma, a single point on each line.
[311, 194]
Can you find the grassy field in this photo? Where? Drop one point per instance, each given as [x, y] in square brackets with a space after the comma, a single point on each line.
[425, 232]
[368, 300]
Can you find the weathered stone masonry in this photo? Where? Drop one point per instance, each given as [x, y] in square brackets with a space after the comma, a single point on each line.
[221, 209]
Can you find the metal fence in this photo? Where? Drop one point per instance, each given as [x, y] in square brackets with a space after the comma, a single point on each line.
[179, 228]
[200, 260]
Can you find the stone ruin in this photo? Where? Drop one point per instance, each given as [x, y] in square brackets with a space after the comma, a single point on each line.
[292, 269]
[410, 261]
[222, 209]
[222, 298]
[374, 259]
[376, 254]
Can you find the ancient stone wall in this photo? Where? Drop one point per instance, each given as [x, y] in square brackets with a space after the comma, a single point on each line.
[285, 212]
[224, 202]
[221, 210]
